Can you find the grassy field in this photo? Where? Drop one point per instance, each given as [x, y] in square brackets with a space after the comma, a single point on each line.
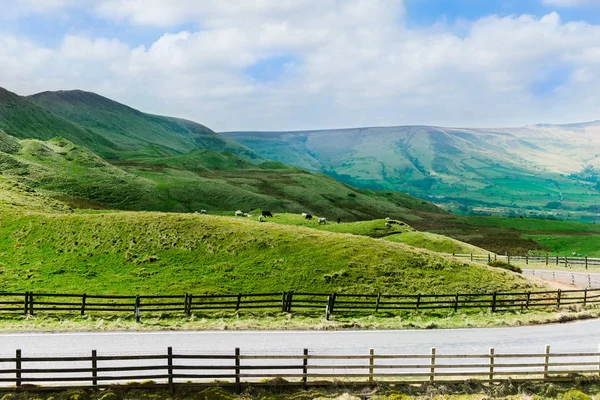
[435, 242]
[472, 390]
[154, 253]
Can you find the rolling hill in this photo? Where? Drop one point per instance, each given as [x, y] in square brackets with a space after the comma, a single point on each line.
[134, 133]
[541, 170]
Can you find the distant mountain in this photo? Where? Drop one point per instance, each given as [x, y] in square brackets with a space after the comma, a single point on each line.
[542, 169]
[133, 132]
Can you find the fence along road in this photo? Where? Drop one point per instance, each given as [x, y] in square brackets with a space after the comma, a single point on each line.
[577, 278]
[566, 338]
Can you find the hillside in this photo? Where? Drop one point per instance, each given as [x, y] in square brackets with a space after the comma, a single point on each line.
[175, 253]
[136, 134]
[541, 170]
[24, 120]
[201, 179]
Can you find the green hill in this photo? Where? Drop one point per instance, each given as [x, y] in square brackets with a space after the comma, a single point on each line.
[23, 119]
[125, 253]
[133, 131]
[543, 170]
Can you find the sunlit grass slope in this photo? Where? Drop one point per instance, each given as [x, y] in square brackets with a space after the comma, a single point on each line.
[173, 253]
[435, 242]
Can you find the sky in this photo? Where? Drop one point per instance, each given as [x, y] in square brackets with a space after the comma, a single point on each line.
[314, 64]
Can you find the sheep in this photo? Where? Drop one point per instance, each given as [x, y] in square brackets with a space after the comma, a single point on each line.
[388, 225]
[387, 218]
[202, 211]
[267, 213]
[308, 216]
[247, 215]
[322, 220]
[304, 215]
[239, 213]
[261, 218]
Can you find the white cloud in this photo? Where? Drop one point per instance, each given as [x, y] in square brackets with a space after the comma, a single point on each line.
[350, 63]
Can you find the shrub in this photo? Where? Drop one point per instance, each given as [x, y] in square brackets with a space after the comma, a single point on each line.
[574, 394]
[505, 265]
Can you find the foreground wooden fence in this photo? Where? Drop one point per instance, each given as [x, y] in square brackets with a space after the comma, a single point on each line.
[545, 260]
[236, 369]
[30, 303]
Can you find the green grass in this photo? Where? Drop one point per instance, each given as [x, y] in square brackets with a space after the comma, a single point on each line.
[566, 245]
[530, 224]
[435, 242]
[157, 253]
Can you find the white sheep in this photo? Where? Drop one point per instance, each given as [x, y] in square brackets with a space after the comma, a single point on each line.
[388, 225]
[239, 213]
[304, 215]
[322, 220]
[261, 218]
[202, 211]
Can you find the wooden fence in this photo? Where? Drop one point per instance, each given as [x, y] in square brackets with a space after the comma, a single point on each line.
[30, 303]
[236, 369]
[545, 260]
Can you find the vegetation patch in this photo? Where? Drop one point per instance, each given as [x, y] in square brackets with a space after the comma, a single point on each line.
[505, 265]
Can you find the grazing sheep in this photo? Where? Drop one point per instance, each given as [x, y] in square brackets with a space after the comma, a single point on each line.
[239, 213]
[304, 215]
[322, 220]
[388, 225]
[308, 216]
[387, 218]
[267, 214]
[261, 218]
[247, 215]
[202, 211]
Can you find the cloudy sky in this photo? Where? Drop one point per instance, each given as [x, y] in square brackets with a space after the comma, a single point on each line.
[308, 64]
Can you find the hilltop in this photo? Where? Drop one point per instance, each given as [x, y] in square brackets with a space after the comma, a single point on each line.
[134, 133]
[542, 170]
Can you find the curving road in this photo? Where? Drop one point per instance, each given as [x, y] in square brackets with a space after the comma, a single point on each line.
[577, 278]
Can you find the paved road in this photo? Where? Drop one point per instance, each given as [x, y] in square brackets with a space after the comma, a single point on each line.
[574, 337]
[582, 279]
[577, 336]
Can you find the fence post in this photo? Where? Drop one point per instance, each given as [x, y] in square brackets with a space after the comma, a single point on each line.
[239, 299]
[377, 302]
[371, 363]
[494, 301]
[456, 303]
[546, 361]
[30, 303]
[557, 260]
[137, 308]
[432, 370]
[526, 259]
[26, 310]
[289, 301]
[83, 297]
[186, 311]
[283, 301]
[332, 303]
[491, 363]
[238, 386]
[586, 265]
[471, 256]
[558, 298]
[508, 258]
[170, 369]
[528, 298]
[546, 258]
[18, 367]
[190, 301]
[584, 297]
[495, 257]
[94, 368]
[304, 369]
[418, 301]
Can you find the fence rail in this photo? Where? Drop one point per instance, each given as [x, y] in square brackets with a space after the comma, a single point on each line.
[237, 369]
[30, 303]
[546, 260]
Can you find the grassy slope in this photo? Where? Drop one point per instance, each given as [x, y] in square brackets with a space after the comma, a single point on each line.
[134, 131]
[22, 119]
[435, 242]
[174, 253]
[492, 171]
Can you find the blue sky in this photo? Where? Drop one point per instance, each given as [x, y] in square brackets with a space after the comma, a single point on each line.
[305, 64]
